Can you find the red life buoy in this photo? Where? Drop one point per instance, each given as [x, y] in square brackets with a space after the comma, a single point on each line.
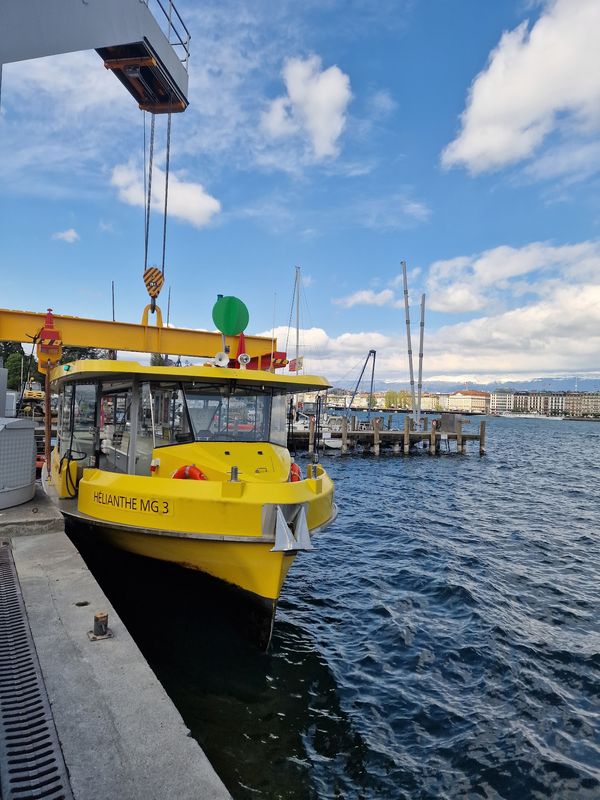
[191, 472]
[295, 473]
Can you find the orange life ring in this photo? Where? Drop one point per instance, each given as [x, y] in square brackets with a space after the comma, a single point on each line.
[190, 471]
[295, 473]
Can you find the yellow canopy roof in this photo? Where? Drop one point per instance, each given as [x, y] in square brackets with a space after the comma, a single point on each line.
[96, 369]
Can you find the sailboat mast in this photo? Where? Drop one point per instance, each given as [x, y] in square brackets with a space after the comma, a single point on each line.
[297, 318]
[373, 353]
[409, 342]
[420, 378]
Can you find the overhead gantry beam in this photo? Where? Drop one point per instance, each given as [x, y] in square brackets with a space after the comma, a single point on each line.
[23, 326]
[153, 65]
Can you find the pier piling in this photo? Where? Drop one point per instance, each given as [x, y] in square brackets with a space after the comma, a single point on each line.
[377, 438]
[344, 434]
[459, 437]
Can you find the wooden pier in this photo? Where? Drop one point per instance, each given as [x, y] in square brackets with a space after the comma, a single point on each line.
[356, 437]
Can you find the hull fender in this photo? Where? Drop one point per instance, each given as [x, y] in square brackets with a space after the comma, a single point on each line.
[287, 539]
[284, 538]
[301, 531]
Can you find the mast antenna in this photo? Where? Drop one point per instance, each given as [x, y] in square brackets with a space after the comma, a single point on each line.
[409, 342]
[420, 378]
[298, 279]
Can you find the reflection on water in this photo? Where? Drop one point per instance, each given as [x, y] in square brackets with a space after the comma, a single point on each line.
[442, 641]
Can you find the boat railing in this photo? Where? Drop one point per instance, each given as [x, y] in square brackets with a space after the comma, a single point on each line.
[173, 26]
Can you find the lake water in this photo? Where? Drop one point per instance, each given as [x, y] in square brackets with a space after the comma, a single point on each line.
[442, 641]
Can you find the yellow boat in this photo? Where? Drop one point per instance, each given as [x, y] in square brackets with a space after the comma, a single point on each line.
[189, 465]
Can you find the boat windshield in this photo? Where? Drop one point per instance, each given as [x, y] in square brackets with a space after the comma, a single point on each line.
[238, 414]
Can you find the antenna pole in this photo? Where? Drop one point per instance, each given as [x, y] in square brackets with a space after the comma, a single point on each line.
[112, 354]
[273, 332]
[297, 316]
[408, 341]
[420, 378]
[371, 353]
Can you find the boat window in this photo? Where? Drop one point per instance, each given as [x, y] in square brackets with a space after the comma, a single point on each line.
[162, 421]
[114, 430]
[163, 418]
[279, 420]
[225, 413]
[145, 432]
[65, 412]
[83, 424]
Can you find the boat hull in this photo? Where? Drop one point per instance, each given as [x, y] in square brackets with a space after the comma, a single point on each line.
[227, 531]
[250, 566]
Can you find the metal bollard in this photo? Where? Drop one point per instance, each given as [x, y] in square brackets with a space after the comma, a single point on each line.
[101, 629]
[100, 623]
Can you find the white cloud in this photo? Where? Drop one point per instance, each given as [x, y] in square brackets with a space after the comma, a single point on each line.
[59, 79]
[398, 211]
[188, 201]
[537, 81]
[454, 297]
[471, 283]
[332, 356]
[277, 121]
[367, 297]
[315, 105]
[556, 335]
[69, 236]
[411, 275]
[571, 162]
[381, 103]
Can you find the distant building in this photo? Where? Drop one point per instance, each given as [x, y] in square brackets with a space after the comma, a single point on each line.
[549, 404]
[361, 401]
[444, 401]
[430, 402]
[470, 401]
[582, 404]
[501, 401]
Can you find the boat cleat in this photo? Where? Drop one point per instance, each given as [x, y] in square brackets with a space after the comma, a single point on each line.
[291, 528]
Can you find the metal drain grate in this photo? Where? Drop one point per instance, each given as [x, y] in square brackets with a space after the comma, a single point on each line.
[31, 760]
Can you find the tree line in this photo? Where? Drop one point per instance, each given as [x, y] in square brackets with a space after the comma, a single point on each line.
[398, 399]
[18, 363]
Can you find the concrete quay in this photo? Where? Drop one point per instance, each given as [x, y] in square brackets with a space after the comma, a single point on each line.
[120, 734]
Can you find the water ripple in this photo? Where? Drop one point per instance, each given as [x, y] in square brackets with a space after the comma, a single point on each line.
[441, 642]
[461, 627]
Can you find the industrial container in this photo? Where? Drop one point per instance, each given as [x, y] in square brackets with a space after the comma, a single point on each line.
[17, 461]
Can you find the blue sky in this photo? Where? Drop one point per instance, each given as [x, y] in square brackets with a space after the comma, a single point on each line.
[344, 137]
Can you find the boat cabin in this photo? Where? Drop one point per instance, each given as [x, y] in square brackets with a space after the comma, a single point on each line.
[116, 416]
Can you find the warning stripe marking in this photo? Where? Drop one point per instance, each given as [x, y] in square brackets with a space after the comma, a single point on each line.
[154, 280]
